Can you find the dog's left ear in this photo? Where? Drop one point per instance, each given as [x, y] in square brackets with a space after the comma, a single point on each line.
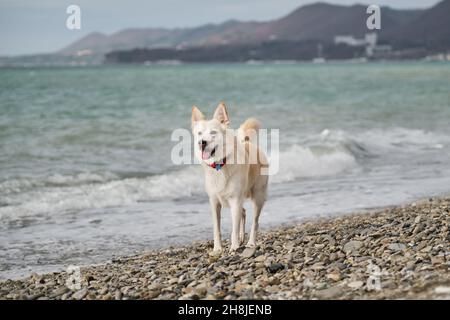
[221, 114]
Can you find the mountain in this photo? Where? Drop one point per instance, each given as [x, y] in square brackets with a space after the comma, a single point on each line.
[159, 38]
[320, 21]
[431, 28]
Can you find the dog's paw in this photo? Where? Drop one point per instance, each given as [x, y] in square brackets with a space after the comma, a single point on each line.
[216, 252]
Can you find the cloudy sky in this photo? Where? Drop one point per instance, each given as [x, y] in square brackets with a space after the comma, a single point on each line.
[30, 26]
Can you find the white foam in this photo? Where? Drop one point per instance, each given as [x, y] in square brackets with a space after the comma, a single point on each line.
[301, 162]
[23, 184]
[177, 184]
[403, 138]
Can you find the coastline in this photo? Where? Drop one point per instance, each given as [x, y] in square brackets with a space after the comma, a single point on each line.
[399, 252]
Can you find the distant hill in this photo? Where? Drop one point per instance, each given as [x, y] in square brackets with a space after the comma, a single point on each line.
[320, 21]
[431, 28]
[324, 21]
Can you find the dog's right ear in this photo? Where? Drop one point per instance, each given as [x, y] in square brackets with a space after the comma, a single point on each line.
[197, 115]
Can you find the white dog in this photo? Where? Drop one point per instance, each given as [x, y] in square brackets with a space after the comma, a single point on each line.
[233, 172]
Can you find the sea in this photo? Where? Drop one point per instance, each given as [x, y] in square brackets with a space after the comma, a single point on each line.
[86, 172]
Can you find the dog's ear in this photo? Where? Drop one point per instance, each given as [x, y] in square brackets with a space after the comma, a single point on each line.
[197, 115]
[221, 114]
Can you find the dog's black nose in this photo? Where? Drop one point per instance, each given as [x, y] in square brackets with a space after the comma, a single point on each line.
[203, 144]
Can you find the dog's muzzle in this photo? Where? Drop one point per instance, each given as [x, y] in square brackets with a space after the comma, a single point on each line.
[206, 154]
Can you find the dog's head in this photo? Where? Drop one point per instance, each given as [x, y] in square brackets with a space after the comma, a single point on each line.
[211, 137]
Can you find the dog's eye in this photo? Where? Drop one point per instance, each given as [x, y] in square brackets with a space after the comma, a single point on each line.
[213, 132]
[199, 133]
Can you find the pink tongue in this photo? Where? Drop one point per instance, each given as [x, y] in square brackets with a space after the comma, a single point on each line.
[206, 155]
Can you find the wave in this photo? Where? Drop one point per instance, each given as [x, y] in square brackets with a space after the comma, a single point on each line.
[306, 162]
[326, 154]
[403, 139]
[177, 184]
[98, 192]
[55, 180]
[90, 191]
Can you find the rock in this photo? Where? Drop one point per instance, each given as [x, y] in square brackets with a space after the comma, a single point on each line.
[248, 252]
[80, 294]
[153, 294]
[189, 296]
[355, 284]
[307, 283]
[249, 279]
[320, 285]
[329, 293]
[118, 295]
[239, 273]
[201, 290]
[184, 280]
[107, 296]
[396, 247]
[387, 285]
[437, 260]
[58, 292]
[260, 258]
[35, 296]
[275, 267]
[155, 286]
[103, 291]
[352, 247]
[335, 276]
[442, 290]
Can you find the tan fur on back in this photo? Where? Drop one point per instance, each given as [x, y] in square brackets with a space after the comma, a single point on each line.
[248, 131]
[255, 168]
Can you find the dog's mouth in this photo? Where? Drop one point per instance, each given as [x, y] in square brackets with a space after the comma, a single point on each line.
[206, 154]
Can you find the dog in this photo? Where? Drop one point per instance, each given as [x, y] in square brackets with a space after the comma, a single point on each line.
[233, 166]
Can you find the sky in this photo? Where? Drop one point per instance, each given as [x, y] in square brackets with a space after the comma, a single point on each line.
[30, 26]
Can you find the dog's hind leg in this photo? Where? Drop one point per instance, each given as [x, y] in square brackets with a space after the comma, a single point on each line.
[242, 228]
[258, 203]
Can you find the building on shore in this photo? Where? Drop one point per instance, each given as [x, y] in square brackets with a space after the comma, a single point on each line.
[370, 42]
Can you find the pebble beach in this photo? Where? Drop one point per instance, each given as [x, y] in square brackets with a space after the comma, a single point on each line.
[392, 253]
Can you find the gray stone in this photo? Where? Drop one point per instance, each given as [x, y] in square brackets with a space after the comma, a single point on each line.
[80, 294]
[275, 267]
[248, 252]
[329, 293]
[355, 284]
[352, 246]
[59, 292]
[397, 246]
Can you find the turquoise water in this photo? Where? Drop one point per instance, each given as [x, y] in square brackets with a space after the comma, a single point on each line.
[85, 169]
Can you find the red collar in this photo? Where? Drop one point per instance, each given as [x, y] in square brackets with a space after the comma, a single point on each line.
[218, 165]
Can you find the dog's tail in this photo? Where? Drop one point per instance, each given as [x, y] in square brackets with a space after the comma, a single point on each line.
[248, 131]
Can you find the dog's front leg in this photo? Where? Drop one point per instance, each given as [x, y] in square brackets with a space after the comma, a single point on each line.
[215, 209]
[236, 215]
